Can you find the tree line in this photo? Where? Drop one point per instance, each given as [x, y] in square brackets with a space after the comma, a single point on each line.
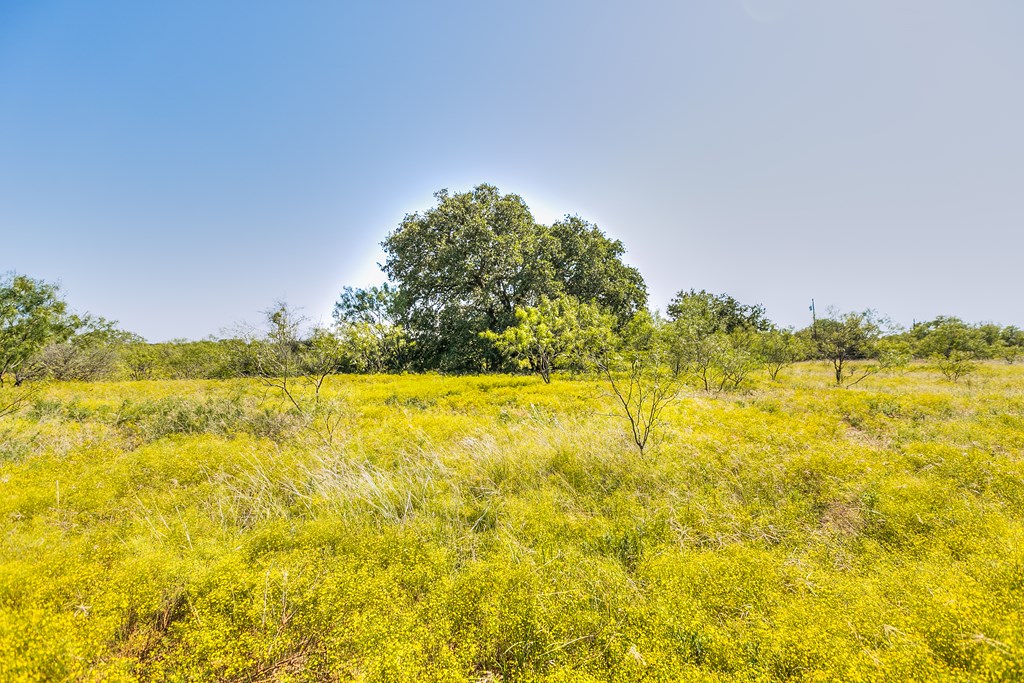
[475, 284]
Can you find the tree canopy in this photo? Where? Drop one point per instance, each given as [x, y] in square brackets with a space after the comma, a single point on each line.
[709, 313]
[842, 338]
[374, 305]
[588, 267]
[463, 268]
[32, 314]
[557, 333]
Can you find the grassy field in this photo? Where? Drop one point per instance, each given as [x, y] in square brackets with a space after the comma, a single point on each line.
[495, 528]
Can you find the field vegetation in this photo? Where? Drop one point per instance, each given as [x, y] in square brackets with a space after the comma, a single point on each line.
[591, 491]
[490, 528]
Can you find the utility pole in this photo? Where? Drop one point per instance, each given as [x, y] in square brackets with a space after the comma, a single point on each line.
[814, 322]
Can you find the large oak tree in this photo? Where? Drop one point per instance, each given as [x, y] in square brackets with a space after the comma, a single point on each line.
[465, 266]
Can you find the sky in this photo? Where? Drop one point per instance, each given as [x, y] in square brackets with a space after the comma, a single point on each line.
[180, 166]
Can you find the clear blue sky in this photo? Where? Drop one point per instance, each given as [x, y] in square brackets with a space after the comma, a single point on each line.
[177, 166]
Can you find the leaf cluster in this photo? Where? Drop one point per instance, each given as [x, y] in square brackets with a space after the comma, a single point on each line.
[465, 266]
[559, 333]
[32, 314]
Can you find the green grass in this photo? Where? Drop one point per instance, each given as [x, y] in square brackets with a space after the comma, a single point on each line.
[496, 528]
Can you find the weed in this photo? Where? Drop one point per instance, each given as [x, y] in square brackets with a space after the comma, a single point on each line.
[500, 529]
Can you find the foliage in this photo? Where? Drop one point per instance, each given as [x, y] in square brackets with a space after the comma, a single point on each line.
[642, 390]
[203, 359]
[842, 339]
[465, 266]
[280, 357]
[140, 359]
[91, 353]
[273, 354]
[372, 340]
[1011, 344]
[714, 338]
[643, 332]
[32, 314]
[321, 355]
[778, 349]
[945, 336]
[956, 365]
[497, 528]
[718, 361]
[462, 268]
[588, 267]
[953, 346]
[558, 333]
[183, 359]
[374, 305]
[368, 347]
[710, 313]
[894, 353]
